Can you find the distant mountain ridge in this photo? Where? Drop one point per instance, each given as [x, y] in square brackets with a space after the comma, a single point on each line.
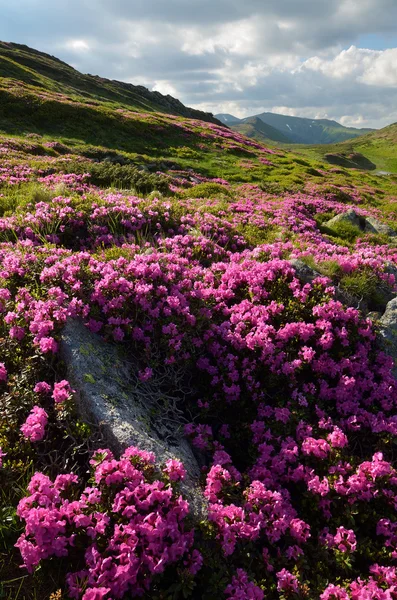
[296, 130]
[228, 119]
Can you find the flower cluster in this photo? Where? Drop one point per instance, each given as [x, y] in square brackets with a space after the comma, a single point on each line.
[131, 520]
[34, 427]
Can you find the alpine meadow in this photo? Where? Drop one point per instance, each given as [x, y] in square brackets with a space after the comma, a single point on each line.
[198, 341]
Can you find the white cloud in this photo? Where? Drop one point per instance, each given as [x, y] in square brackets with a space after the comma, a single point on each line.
[372, 67]
[165, 87]
[383, 70]
[77, 45]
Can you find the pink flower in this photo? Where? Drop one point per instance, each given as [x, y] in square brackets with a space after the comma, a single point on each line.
[287, 582]
[334, 592]
[315, 447]
[42, 387]
[3, 372]
[243, 589]
[62, 391]
[146, 374]
[345, 540]
[48, 344]
[337, 438]
[96, 593]
[175, 470]
[17, 333]
[2, 454]
[34, 427]
[138, 517]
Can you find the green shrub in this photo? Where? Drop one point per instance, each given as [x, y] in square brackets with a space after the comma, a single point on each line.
[344, 231]
[312, 171]
[206, 190]
[321, 218]
[255, 235]
[19, 197]
[363, 284]
[300, 161]
[106, 174]
[184, 152]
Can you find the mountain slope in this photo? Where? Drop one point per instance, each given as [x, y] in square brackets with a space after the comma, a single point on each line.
[254, 127]
[48, 72]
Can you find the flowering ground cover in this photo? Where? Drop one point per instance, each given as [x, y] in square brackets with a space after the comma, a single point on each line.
[178, 246]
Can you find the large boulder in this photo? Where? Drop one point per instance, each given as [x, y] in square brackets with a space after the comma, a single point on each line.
[128, 411]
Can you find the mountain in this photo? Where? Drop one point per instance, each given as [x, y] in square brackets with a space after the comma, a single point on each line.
[311, 131]
[254, 127]
[227, 119]
[19, 62]
[297, 130]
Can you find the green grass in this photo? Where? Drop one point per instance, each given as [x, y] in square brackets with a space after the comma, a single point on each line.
[380, 147]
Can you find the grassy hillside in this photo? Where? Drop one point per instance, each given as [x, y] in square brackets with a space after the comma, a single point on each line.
[36, 68]
[249, 319]
[380, 147]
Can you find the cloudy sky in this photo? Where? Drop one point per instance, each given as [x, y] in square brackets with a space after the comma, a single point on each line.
[316, 58]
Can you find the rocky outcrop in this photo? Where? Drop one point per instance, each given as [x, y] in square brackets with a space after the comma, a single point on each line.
[128, 411]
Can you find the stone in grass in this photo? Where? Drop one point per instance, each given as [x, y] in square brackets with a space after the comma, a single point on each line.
[303, 272]
[130, 412]
[372, 225]
[366, 224]
[388, 331]
[307, 274]
[348, 217]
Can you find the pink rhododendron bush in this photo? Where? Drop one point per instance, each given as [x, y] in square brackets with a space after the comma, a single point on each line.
[291, 403]
[129, 525]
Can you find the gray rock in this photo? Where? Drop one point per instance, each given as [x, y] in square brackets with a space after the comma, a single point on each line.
[388, 331]
[372, 225]
[303, 272]
[391, 268]
[128, 411]
[385, 291]
[348, 217]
